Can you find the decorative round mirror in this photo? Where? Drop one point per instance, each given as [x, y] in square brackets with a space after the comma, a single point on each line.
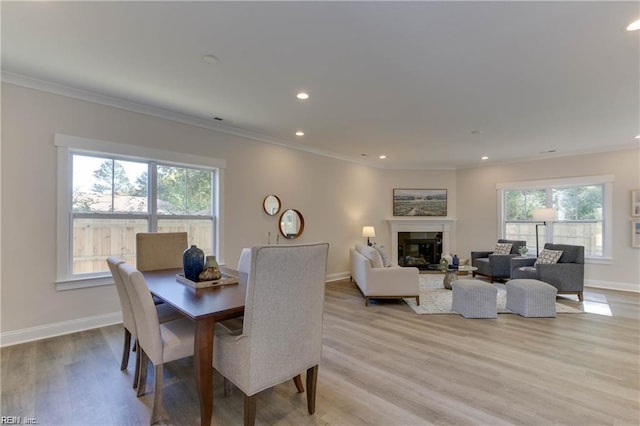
[291, 224]
[271, 205]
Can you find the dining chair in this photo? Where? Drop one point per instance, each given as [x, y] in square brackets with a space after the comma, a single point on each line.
[160, 250]
[282, 327]
[245, 260]
[165, 314]
[159, 343]
[234, 325]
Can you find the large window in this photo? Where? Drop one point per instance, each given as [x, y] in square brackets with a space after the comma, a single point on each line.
[110, 197]
[583, 206]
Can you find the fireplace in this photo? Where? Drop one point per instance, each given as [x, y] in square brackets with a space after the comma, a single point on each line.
[421, 225]
[419, 249]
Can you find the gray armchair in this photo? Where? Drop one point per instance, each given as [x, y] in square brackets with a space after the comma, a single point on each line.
[567, 275]
[495, 266]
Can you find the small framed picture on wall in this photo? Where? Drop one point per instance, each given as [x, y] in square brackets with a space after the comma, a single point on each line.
[635, 234]
[635, 202]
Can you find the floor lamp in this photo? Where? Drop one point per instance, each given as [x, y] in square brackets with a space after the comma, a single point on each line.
[543, 215]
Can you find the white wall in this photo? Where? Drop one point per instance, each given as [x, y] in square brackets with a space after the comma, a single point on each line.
[477, 207]
[335, 197]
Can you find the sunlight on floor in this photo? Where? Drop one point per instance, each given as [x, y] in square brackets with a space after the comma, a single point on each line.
[598, 308]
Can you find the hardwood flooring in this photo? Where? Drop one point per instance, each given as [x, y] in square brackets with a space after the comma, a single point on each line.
[381, 365]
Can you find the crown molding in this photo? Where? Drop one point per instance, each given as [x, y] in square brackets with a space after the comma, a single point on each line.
[85, 95]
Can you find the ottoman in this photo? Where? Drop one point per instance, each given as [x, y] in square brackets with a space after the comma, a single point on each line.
[531, 298]
[474, 299]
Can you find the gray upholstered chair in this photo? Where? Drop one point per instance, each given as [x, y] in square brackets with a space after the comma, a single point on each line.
[567, 275]
[245, 260]
[495, 266]
[157, 342]
[165, 314]
[282, 327]
[160, 250]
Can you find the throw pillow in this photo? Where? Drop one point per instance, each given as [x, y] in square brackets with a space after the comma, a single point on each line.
[503, 248]
[374, 257]
[386, 261]
[548, 256]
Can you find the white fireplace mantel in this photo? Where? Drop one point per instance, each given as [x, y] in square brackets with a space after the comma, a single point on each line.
[420, 224]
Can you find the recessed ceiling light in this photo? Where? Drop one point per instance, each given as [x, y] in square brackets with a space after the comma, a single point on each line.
[210, 59]
[634, 26]
[476, 132]
[637, 137]
[382, 157]
[302, 96]
[299, 133]
[484, 158]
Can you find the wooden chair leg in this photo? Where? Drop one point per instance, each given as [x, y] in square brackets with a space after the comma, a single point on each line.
[250, 410]
[418, 300]
[228, 387]
[312, 381]
[125, 350]
[298, 381]
[156, 406]
[136, 374]
[142, 377]
[580, 296]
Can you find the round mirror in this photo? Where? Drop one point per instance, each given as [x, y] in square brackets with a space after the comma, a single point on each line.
[291, 224]
[271, 205]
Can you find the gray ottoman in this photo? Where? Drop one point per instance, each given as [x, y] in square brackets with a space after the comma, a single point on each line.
[474, 299]
[531, 298]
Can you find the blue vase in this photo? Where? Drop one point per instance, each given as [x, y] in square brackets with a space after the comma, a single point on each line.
[192, 263]
[455, 261]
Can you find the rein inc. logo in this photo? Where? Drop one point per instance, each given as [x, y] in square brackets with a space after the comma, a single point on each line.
[18, 420]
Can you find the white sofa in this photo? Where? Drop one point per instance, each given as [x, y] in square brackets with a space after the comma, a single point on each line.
[377, 282]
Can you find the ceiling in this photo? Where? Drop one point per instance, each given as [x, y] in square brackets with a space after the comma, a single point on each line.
[428, 84]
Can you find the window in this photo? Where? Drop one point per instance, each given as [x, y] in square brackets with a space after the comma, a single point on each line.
[108, 193]
[583, 206]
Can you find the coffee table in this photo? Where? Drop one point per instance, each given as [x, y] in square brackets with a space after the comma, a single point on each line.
[450, 274]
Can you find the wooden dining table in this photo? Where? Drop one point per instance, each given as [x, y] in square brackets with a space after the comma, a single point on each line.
[204, 306]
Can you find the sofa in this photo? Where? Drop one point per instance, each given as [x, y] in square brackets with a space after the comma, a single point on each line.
[567, 275]
[375, 281]
[496, 266]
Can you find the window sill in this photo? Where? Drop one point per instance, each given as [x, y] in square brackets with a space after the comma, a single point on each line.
[76, 283]
[598, 260]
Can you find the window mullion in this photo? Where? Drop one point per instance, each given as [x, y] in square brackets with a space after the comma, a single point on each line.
[153, 196]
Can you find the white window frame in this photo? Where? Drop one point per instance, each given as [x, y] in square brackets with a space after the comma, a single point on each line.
[607, 214]
[66, 145]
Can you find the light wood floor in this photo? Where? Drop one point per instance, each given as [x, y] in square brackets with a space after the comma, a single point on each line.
[381, 365]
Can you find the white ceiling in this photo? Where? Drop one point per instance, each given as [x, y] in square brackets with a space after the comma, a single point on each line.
[412, 80]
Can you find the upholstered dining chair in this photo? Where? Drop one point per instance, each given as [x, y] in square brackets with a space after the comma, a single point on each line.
[234, 325]
[282, 327]
[245, 260]
[165, 314]
[160, 250]
[160, 343]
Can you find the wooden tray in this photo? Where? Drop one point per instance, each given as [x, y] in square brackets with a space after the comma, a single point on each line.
[225, 280]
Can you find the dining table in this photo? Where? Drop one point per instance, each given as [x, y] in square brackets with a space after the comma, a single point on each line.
[205, 306]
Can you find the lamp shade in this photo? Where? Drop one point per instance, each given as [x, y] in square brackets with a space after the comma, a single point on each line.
[368, 231]
[545, 215]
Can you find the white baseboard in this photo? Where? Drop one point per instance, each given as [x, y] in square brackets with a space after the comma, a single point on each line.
[337, 277]
[613, 285]
[57, 329]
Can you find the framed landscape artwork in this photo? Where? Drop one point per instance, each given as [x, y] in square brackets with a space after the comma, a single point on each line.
[635, 202]
[635, 234]
[419, 202]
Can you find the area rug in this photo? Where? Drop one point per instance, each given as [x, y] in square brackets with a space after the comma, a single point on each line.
[434, 299]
